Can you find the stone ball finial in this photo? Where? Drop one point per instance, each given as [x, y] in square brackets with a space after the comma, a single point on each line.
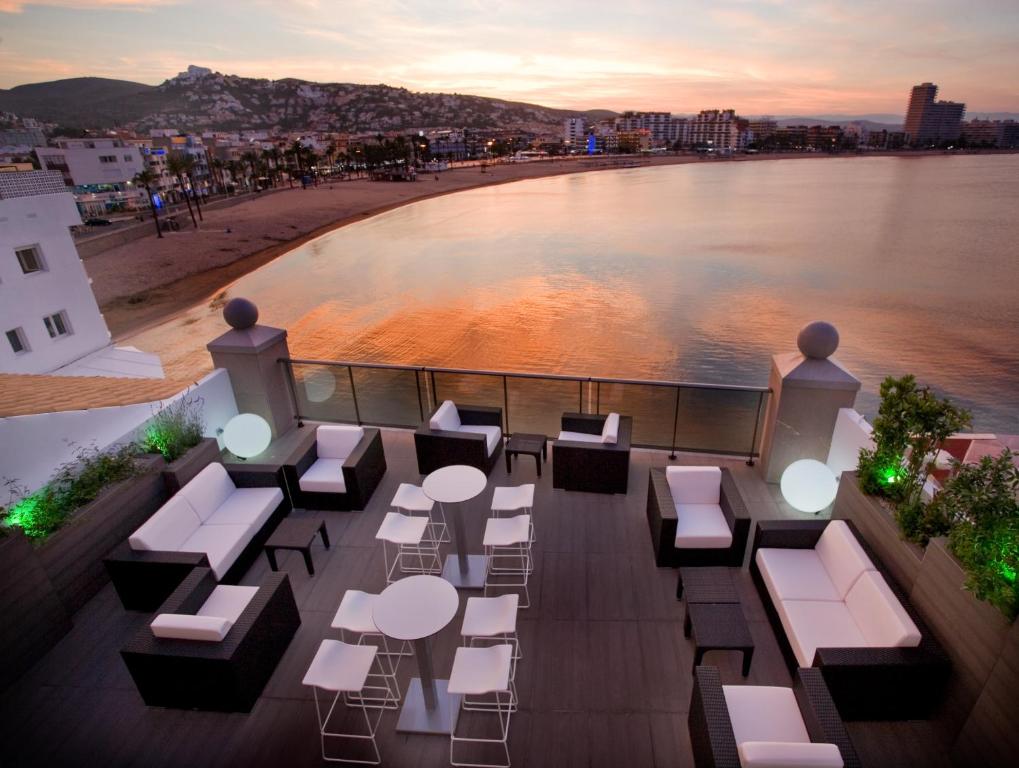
[818, 340]
[240, 313]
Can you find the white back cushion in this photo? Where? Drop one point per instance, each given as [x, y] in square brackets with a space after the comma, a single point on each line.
[882, 620]
[182, 626]
[782, 754]
[337, 442]
[610, 431]
[227, 602]
[842, 556]
[764, 713]
[208, 490]
[165, 531]
[694, 485]
[446, 418]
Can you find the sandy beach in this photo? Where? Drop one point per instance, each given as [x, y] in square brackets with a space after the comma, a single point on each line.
[149, 280]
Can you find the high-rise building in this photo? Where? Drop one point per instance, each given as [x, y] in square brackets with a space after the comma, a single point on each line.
[929, 121]
[719, 130]
[574, 132]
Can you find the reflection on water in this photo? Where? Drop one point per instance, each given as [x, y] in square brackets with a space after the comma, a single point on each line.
[695, 272]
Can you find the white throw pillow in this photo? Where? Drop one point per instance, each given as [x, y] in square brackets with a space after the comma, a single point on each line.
[446, 418]
[185, 626]
[610, 431]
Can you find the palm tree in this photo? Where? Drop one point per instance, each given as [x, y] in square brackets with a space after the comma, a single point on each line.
[177, 167]
[296, 151]
[251, 159]
[217, 165]
[234, 169]
[331, 154]
[189, 169]
[146, 179]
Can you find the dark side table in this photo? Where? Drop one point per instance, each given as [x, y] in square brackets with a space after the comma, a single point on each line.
[296, 533]
[719, 627]
[530, 445]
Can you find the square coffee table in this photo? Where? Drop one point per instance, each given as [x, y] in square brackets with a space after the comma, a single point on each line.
[296, 533]
[720, 627]
[531, 445]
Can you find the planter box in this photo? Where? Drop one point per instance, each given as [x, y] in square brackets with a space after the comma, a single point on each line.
[32, 617]
[73, 556]
[180, 472]
[876, 524]
[972, 632]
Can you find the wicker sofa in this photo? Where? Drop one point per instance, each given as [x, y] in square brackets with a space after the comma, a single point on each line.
[592, 453]
[459, 434]
[834, 606]
[767, 724]
[677, 543]
[220, 520]
[339, 470]
[224, 671]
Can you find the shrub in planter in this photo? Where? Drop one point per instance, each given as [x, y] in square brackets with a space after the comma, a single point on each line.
[175, 429]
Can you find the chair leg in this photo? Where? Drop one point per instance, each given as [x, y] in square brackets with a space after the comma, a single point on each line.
[503, 710]
[325, 733]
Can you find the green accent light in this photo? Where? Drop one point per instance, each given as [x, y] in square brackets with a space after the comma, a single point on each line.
[1007, 571]
[890, 475]
[154, 438]
[24, 515]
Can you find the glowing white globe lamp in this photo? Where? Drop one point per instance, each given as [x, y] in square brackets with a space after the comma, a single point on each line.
[808, 485]
[247, 435]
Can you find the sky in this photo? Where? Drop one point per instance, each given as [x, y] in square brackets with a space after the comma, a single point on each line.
[779, 57]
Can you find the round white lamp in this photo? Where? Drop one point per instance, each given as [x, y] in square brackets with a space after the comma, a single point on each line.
[247, 435]
[808, 485]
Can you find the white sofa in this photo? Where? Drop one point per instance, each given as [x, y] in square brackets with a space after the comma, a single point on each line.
[447, 419]
[609, 433]
[832, 596]
[209, 515]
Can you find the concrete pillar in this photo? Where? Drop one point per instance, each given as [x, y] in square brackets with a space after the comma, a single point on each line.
[808, 388]
[250, 354]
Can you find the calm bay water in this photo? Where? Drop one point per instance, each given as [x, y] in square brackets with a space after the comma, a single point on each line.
[693, 272]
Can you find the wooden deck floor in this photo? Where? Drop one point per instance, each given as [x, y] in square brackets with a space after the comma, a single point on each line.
[605, 682]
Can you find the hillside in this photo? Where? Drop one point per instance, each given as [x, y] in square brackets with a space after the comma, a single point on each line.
[202, 100]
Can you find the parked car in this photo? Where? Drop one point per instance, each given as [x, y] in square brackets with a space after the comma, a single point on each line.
[95, 221]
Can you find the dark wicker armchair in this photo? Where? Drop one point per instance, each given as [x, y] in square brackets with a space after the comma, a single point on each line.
[894, 683]
[711, 733]
[661, 518]
[225, 676]
[437, 448]
[362, 472]
[592, 466]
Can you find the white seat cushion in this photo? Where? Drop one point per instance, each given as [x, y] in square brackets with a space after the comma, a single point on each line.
[247, 506]
[222, 544]
[505, 531]
[490, 616]
[783, 754]
[610, 430]
[446, 418]
[340, 666]
[579, 437]
[355, 612]
[512, 498]
[228, 602]
[701, 526]
[181, 626]
[324, 476]
[842, 556]
[694, 485]
[813, 624]
[764, 713]
[879, 614]
[337, 442]
[171, 525]
[795, 574]
[480, 670]
[398, 528]
[208, 490]
[412, 498]
[492, 435]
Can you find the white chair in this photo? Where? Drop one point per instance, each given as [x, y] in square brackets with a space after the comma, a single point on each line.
[410, 499]
[507, 545]
[341, 668]
[354, 616]
[482, 677]
[492, 619]
[408, 535]
[519, 499]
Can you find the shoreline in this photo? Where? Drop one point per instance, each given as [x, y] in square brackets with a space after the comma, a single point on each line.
[135, 300]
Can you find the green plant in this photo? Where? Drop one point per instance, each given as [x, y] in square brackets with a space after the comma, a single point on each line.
[175, 429]
[911, 425]
[74, 485]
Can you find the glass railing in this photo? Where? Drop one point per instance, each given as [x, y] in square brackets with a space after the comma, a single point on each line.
[667, 415]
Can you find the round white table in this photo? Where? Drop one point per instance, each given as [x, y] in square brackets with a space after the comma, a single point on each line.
[415, 608]
[456, 485]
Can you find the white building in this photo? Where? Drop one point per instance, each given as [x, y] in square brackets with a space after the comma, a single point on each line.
[575, 132]
[100, 170]
[48, 315]
[719, 130]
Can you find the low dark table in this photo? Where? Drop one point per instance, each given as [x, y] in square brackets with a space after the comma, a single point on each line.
[532, 445]
[719, 627]
[708, 584]
[296, 533]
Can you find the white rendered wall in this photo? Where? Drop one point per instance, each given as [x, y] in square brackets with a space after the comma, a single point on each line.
[852, 432]
[33, 447]
[43, 220]
[85, 168]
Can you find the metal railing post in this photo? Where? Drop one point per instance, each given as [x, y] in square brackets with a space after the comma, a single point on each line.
[353, 393]
[417, 383]
[435, 392]
[597, 397]
[757, 420]
[580, 395]
[675, 424]
[505, 404]
[292, 388]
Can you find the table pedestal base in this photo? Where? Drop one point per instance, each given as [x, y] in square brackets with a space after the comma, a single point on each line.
[474, 578]
[416, 718]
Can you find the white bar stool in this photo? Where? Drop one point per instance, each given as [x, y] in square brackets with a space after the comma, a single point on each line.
[354, 616]
[507, 544]
[341, 668]
[408, 534]
[411, 498]
[488, 619]
[518, 498]
[482, 677]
